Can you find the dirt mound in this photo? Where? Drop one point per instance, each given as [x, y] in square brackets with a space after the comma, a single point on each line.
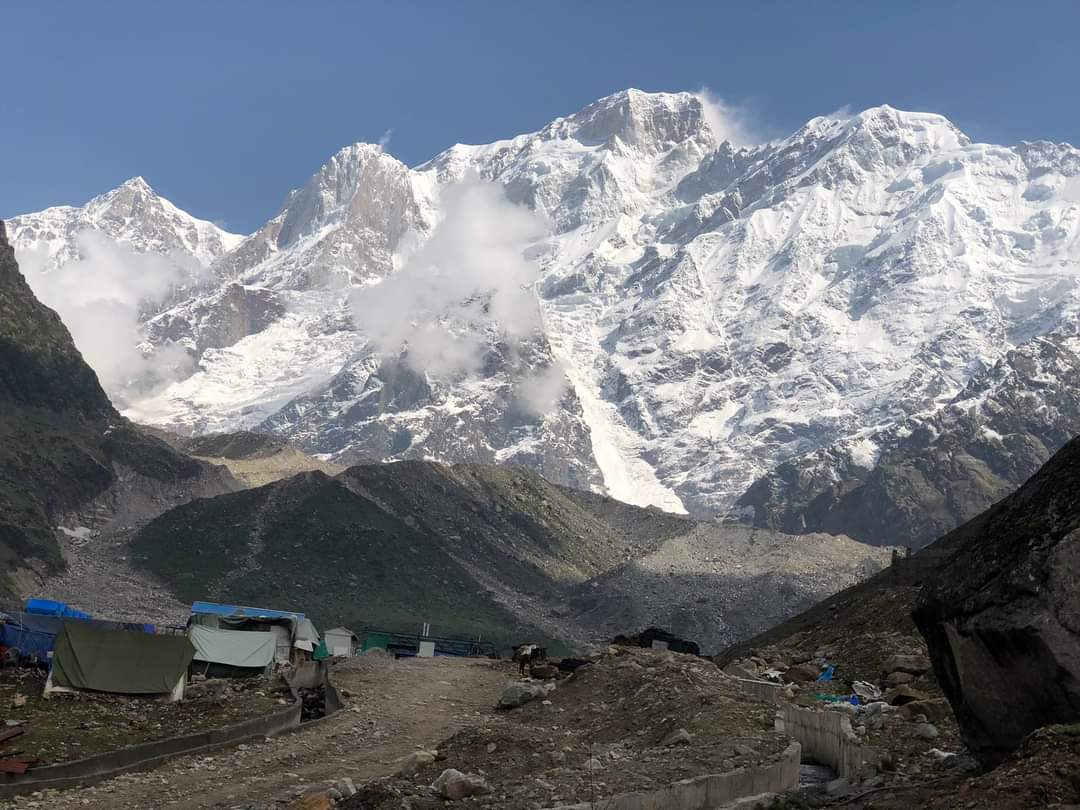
[634, 719]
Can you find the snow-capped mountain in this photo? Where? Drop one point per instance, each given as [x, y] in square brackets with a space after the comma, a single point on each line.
[132, 215]
[714, 311]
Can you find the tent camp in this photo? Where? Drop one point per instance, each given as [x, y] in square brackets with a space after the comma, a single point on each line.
[231, 653]
[341, 642]
[119, 661]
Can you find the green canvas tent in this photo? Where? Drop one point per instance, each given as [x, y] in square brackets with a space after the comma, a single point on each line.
[233, 651]
[119, 661]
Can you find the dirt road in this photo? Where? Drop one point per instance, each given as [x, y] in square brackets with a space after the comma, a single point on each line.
[395, 708]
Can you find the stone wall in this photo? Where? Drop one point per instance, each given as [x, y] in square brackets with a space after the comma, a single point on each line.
[767, 691]
[712, 790]
[826, 738]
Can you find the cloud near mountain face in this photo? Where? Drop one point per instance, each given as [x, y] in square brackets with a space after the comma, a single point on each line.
[469, 278]
[99, 297]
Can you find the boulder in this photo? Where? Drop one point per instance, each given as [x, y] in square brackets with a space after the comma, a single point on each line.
[933, 710]
[800, 673]
[898, 678]
[415, 762]
[1001, 612]
[679, 736]
[928, 731]
[913, 664]
[455, 785]
[545, 672]
[904, 694]
[519, 693]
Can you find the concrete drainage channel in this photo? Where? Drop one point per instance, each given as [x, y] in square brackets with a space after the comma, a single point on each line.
[713, 790]
[323, 702]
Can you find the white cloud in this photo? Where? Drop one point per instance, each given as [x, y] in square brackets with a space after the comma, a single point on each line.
[728, 122]
[99, 297]
[539, 392]
[384, 139]
[468, 279]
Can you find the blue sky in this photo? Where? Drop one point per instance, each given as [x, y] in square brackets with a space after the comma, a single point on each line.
[225, 106]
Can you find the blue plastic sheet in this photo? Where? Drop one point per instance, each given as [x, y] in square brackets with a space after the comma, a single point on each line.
[34, 634]
[50, 607]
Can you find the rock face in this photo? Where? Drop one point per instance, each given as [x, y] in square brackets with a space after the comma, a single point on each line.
[1002, 614]
[934, 471]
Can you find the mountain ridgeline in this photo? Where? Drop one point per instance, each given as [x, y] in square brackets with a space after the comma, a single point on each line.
[866, 327]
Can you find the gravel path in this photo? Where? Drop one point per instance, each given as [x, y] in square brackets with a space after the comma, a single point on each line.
[396, 707]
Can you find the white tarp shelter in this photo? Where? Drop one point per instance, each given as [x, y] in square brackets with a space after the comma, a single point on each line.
[234, 648]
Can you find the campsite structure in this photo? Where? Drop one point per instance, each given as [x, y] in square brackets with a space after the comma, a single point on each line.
[28, 636]
[341, 642]
[97, 659]
[293, 634]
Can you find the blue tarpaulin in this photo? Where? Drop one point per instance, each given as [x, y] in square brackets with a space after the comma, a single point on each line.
[50, 607]
[240, 610]
[34, 634]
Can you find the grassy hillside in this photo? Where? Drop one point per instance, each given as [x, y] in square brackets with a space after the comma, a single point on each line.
[310, 543]
[486, 550]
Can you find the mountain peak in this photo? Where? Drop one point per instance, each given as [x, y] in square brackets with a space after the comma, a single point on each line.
[359, 170]
[933, 129]
[137, 183]
[651, 122]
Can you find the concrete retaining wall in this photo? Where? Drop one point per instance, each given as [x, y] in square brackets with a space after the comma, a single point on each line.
[827, 739]
[93, 769]
[767, 691]
[710, 791]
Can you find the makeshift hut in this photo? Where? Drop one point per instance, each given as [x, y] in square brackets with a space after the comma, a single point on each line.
[88, 658]
[295, 637]
[341, 642]
[231, 653]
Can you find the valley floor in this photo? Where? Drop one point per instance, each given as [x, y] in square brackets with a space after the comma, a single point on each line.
[396, 707]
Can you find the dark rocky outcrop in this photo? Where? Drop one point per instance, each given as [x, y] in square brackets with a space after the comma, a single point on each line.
[1001, 616]
[939, 470]
[62, 444]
